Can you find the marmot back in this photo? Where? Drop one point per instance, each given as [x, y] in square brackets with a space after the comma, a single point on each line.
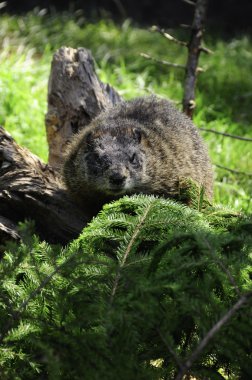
[141, 146]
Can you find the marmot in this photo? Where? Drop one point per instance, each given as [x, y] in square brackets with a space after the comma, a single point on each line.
[140, 146]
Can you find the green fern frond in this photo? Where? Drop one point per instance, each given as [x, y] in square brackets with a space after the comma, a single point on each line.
[132, 297]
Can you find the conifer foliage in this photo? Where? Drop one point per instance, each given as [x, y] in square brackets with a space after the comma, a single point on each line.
[150, 290]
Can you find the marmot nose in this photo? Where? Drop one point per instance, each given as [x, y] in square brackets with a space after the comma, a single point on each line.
[117, 179]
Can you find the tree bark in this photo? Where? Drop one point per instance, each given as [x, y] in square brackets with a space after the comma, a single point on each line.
[30, 189]
[75, 97]
[8, 231]
[194, 49]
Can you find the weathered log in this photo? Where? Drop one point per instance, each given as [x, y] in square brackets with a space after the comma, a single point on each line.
[8, 231]
[75, 96]
[30, 189]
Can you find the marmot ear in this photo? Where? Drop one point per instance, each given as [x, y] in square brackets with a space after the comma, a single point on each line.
[137, 134]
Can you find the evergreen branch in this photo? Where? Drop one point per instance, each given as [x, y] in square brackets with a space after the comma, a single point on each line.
[224, 268]
[143, 260]
[127, 252]
[226, 134]
[229, 275]
[234, 171]
[211, 333]
[16, 315]
[43, 284]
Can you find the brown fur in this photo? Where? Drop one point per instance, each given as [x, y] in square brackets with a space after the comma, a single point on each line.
[141, 146]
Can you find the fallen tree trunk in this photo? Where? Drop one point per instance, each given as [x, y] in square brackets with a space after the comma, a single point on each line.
[8, 231]
[30, 189]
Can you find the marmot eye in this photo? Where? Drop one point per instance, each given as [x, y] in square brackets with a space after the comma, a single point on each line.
[133, 158]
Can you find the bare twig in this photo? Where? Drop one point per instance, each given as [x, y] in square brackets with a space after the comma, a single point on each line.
[206, 50]
[233, 170]
[226, 134]
[166, 63]
[120, 8]
[3, 4]
[211, 333]
[172, 352]
[185, 26]
[189, 2]
[162, 62]
[163, 33]
[229, 275]
[195, 47]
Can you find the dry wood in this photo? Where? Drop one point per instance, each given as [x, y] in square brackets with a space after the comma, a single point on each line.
[162, 61]
[166, 35]
[30, 189]
[8, 231]
[75, 97]
[194, 49]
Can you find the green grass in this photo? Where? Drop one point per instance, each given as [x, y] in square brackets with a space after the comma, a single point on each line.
[224, 91]
[23, 83]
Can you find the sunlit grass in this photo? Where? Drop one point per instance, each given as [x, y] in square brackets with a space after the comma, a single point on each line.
[23, 86]
[224, 91]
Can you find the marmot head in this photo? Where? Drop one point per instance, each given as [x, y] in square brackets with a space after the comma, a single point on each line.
[111, 160]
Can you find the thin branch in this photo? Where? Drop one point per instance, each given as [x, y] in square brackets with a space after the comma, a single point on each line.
[211, 333]
[189, 2]
[120, 8]
[185, 26]
[163, 33]
[162, 62]
[127, 252]
[233, 170]
[226, 134]
[229, 275]
[172, 352]
[3, 4]
[204, 49]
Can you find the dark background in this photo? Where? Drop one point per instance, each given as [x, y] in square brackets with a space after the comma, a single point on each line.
[229, 16]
